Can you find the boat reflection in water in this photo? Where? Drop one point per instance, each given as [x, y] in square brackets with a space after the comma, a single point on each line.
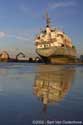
[52, 86]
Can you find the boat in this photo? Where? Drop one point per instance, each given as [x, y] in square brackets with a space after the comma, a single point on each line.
[54, 46]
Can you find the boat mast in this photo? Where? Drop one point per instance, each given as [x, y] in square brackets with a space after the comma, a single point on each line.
[47, 20]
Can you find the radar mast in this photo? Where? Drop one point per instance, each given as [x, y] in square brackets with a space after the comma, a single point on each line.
[47, 20]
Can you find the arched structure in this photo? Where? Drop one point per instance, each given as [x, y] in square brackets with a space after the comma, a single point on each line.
[4, 56]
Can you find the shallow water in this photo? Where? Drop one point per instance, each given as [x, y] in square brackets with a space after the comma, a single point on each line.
[33, 92]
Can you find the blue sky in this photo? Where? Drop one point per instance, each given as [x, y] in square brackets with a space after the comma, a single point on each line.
[21, 20]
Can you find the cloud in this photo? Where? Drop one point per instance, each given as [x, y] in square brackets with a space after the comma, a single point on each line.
[62, 4]
[17, 37]
[23, 8]
[27, 11]
[21, 38]
[2, 34]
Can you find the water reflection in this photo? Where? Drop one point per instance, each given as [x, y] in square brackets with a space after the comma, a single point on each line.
[52, 86]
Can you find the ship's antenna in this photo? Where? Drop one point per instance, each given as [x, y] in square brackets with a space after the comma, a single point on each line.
[47, 20]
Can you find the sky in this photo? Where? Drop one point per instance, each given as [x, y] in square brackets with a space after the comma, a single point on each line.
[21, 20]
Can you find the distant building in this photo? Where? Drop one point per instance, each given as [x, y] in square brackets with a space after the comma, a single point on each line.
[4, 56]
[21, 57]
[81, 58]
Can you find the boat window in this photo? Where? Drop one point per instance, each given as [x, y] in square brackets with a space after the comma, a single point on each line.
[44, 31]
[38, 37]
[52, 30]
[59, 35]
[40, 45]
[62, 45]
[46, 45]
